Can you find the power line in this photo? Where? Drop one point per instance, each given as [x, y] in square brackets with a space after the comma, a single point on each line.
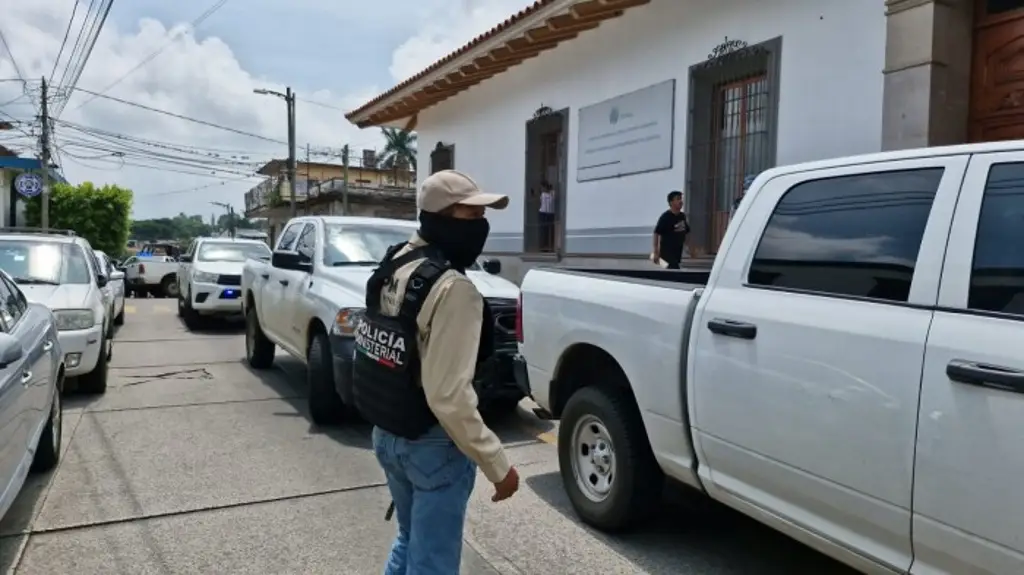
[78, 43]
[116, 147]
[122, 163]
[321, 104]
[198, 188]
[11, 54]
[195, 23]
[9, 102]
[186, 148]
[181, 117]
[67, 32]
[85, 58]
[227, 167]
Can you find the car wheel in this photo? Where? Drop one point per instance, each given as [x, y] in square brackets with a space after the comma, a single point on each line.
[169, 286]
[48, 451]
[259, 351]
[606, 463]
[95, 382]
[189, 314]
[119, 318]
[325, 405]
[499, 408]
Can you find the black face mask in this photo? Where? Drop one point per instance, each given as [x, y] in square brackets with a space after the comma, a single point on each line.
[461, 241]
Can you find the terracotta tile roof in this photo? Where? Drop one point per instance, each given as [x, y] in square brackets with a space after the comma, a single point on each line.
[583, 15]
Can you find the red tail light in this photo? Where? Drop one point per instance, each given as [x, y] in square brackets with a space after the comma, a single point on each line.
[142, 269]
[519, 319]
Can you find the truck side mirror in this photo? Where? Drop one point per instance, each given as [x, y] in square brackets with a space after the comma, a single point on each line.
[492, 266]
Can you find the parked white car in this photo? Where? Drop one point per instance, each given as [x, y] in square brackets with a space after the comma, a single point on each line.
[850, 373]
[114, 290]
[210, 277]
[308, 297]
[61, 271]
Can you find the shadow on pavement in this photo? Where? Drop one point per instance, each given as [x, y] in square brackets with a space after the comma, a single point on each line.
[512, 427]
[696, 535]
[216, 326]
[18, 519]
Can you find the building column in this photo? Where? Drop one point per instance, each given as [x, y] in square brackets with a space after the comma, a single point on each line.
[927, 72]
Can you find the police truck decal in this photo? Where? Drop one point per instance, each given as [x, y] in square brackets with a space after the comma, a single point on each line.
[385, 346]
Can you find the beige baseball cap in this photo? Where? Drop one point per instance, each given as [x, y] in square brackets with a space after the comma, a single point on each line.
[450, 187]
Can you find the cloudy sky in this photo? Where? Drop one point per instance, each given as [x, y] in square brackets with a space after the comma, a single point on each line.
[335, 54]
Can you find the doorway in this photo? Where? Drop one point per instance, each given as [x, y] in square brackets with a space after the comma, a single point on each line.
[733, 121]
[997, 71]
[545, 185]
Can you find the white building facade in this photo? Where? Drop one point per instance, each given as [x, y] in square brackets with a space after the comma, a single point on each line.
[615, 103]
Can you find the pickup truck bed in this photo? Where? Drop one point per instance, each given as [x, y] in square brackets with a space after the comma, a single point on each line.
[849, 373]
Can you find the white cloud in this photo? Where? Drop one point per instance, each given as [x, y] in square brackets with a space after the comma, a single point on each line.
[786, 243]
[446, 26]
[197, 78]
[202, 78]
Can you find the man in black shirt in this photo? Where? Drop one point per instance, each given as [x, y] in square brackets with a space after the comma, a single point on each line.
[670, 233]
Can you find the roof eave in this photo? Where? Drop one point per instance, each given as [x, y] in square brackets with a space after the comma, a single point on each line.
[361, 116]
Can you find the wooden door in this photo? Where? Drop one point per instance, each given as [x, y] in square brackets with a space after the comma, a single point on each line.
[997, 70]
[739, 146]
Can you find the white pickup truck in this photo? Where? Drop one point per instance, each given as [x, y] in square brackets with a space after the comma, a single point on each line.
[851, 371]
[307, 300]
[153, 271]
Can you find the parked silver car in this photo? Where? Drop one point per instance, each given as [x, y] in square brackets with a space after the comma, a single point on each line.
[31, 381]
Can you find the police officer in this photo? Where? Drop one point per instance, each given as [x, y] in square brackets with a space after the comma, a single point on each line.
[418, 347]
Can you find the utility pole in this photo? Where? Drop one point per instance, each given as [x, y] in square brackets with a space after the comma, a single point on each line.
[231, 216]
[290, 100]
[44, 155]
[309, 189]
[344, 190]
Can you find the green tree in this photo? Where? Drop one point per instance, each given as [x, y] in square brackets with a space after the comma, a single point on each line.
[399, 149]
[101, 215]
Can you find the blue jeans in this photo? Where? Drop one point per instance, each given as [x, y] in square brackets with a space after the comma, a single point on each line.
[430, 482]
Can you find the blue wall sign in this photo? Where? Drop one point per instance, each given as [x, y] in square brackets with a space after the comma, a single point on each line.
[28, 184]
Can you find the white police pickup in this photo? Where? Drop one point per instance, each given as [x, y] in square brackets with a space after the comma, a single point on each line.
[307, 299]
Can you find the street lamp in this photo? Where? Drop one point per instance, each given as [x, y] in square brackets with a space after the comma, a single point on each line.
[289, 100]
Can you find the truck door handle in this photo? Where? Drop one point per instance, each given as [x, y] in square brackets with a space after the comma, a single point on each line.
[26, 376]
[265, 276]
[283, 282]
[986, 375]
[730, 328]
[48, 346]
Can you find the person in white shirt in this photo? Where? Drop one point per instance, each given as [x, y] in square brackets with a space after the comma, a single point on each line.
[547, 217]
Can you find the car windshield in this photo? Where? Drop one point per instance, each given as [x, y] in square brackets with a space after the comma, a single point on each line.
[360, 244]
[38, 262]
[232, 252]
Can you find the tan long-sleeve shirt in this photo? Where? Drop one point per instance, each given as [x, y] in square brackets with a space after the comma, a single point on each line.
[449, 335]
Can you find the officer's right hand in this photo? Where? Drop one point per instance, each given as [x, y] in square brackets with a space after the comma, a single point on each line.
[655, 256]
[506, 487]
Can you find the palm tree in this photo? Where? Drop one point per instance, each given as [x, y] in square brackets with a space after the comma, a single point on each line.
[399, 149]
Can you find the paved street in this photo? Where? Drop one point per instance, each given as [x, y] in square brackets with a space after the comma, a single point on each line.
[192, 463]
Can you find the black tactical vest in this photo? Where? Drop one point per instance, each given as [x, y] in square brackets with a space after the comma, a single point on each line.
[386, 375]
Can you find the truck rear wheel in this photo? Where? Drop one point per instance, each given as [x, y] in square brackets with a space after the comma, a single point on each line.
[169, 286]
[259, 351]
[606, 463]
